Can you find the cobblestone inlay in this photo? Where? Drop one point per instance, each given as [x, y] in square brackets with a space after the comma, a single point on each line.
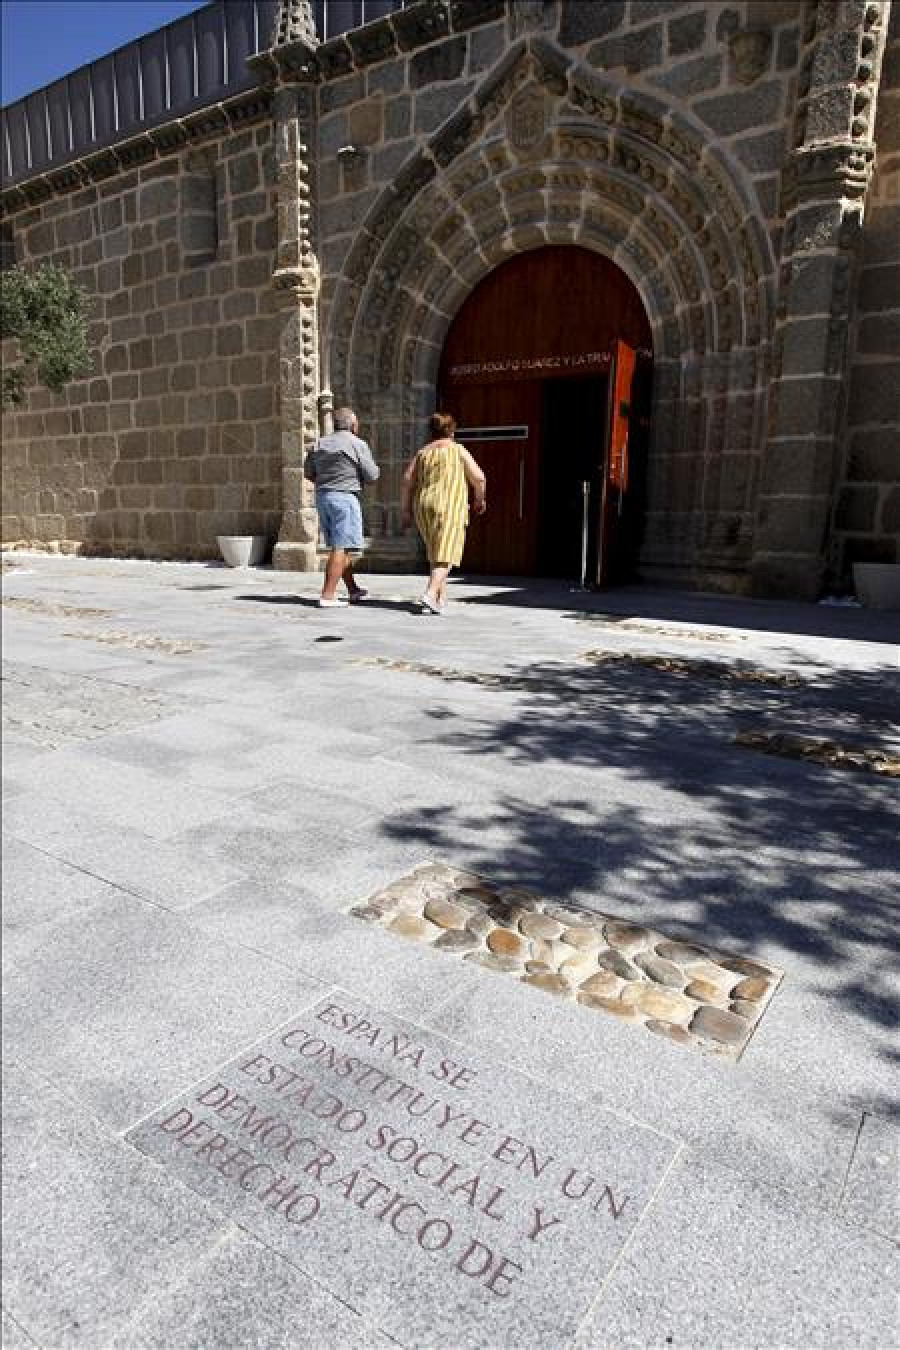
[791, 746]
[489, 681]
[640, 626]
[676, 665]
[684, 991]
[143, 642]
[50, 610]
[50, 710]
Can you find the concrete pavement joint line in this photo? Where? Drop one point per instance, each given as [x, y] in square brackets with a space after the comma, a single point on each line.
[19, 1327]
[790, 745]
[324, 992]
[629, 1242]
[687, 992]
[95, 876]
[853, 1152]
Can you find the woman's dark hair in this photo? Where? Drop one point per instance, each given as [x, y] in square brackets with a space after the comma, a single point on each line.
[442, 424]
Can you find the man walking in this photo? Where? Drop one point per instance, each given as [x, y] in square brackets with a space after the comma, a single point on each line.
[339, 465]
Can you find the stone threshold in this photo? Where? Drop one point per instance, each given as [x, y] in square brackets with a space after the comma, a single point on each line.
[689, 993]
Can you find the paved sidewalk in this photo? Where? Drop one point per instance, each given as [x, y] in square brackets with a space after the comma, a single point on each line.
[238, 1114]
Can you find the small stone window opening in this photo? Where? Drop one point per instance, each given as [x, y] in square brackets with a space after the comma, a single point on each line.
[7, 248]
[199, 217]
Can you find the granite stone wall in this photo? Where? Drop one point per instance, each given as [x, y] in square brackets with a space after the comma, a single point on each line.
[174, 436]
[455, 134]
[867, 510]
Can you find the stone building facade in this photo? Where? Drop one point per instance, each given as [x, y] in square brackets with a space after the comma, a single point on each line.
[315, 237]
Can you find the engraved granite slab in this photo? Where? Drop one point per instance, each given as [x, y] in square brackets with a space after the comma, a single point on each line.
[442, 1195]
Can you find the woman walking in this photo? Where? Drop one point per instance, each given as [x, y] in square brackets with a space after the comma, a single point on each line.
[437, 480]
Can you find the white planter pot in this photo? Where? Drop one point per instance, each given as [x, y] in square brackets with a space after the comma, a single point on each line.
[242, 550]
[877, 585]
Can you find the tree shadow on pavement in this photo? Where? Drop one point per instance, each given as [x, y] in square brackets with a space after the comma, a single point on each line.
[625, 792]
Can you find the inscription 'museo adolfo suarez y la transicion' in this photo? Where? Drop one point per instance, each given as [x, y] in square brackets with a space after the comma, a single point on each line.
[410, 1158]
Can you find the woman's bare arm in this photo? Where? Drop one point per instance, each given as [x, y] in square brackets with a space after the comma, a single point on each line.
[476, 480]
[407, 483]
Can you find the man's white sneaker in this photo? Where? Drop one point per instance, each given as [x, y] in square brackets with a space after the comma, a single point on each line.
[336, 602]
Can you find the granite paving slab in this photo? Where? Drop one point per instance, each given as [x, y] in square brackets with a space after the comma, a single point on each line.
[89, 1229]
[125, 1003]
[871, 1195]
[48, 710]
[241, 1294]
[169, 874]
[303, 925]
[13, 1336]
[39, 890]
[762, 1117]
[135, 797]
[364, 1146]
[719, 1261]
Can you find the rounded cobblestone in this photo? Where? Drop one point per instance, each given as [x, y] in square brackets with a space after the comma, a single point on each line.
[604, 984]
[753, 988]
[456, 940]
[664, 1005]
[540, 926]
[584, 939]
[625, 937]
[413, 926]
[445, 914]
[617, 963]
[504, 942]
[680, 1035]
[716, 1024]
[660, 971]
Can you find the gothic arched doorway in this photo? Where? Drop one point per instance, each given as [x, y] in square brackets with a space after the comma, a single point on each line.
[547, 369]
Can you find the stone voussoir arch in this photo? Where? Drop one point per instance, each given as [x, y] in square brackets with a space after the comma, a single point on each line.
[615, 170]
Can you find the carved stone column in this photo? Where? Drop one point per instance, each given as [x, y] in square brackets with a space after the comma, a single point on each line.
[824, 189]
[296, 278]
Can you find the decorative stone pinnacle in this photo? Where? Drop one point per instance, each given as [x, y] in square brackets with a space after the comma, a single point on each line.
[294, 22]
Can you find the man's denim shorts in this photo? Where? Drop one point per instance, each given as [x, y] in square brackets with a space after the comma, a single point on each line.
[340, 518]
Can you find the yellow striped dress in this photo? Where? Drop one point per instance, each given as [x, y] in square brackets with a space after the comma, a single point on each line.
[442, 502]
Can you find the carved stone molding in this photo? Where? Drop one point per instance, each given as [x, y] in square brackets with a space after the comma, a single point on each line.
[296, 281]
[526, 121]
[841, 171]
[294, 22]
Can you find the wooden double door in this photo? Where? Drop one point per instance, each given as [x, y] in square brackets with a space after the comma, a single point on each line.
[540, 372]
[560, 467]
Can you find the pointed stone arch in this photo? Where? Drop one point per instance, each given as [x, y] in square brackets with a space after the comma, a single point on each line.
[546, 152]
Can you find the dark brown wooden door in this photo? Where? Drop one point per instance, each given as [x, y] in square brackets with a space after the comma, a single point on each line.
[554, 313]
[500, 425]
